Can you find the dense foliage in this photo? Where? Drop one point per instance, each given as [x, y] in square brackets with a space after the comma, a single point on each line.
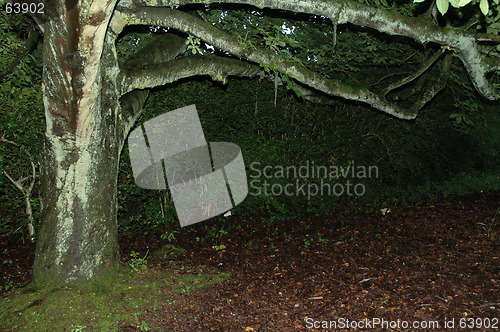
[415, 159]
[21, 118]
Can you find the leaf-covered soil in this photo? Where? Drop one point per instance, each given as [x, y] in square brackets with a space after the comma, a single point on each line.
[427, 264]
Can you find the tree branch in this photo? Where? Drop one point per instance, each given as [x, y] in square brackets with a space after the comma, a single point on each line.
[218, 68]
[131, 107]
[178, 69]
[422, 100]
[425, 66]
[438, 86]
[25, 191]
[162, 49]
[389, 22]
[22, 53]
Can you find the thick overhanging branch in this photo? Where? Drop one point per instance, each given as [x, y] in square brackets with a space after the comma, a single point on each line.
[166, 73]
[343, 11]
[424, 98]
[162, 49]
[218, 68]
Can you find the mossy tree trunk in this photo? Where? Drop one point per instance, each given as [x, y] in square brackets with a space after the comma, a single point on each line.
[84, 136]
[79, 234]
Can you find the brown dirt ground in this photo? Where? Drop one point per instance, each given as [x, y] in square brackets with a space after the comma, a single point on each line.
[433, 261]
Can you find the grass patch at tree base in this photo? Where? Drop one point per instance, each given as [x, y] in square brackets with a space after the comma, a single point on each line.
[104, 305]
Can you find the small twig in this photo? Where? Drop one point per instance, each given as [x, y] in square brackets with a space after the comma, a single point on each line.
[276, 81]
[334, 35]
[3, 139]
[389, 76]
[18, 184]
[25, 191]
[490, 304]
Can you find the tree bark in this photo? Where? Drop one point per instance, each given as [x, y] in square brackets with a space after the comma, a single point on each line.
[78, 239]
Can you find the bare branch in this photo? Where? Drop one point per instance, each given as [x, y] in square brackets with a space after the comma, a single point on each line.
[3, 139]
[161, 49]
[18, 184]
[131, 107]
[26, 191]
[425, 66]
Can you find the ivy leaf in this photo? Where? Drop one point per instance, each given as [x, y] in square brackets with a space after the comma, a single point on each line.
[291, 42]
[459, 3]
[442, 6]
[266, 67]
[483, 5]
[469, 121]
[494, 28]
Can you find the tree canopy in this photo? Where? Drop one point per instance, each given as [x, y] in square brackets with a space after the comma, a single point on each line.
[294, 56]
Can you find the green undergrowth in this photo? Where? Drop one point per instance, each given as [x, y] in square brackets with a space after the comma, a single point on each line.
[169, 251]
[460, 184]
[105, 305]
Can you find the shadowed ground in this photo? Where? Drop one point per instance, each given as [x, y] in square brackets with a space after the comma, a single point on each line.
[433, 261]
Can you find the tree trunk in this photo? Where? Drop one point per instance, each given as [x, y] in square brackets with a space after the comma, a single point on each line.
[78, 239]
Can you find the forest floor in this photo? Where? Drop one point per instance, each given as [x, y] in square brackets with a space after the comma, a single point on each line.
[429, 265]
